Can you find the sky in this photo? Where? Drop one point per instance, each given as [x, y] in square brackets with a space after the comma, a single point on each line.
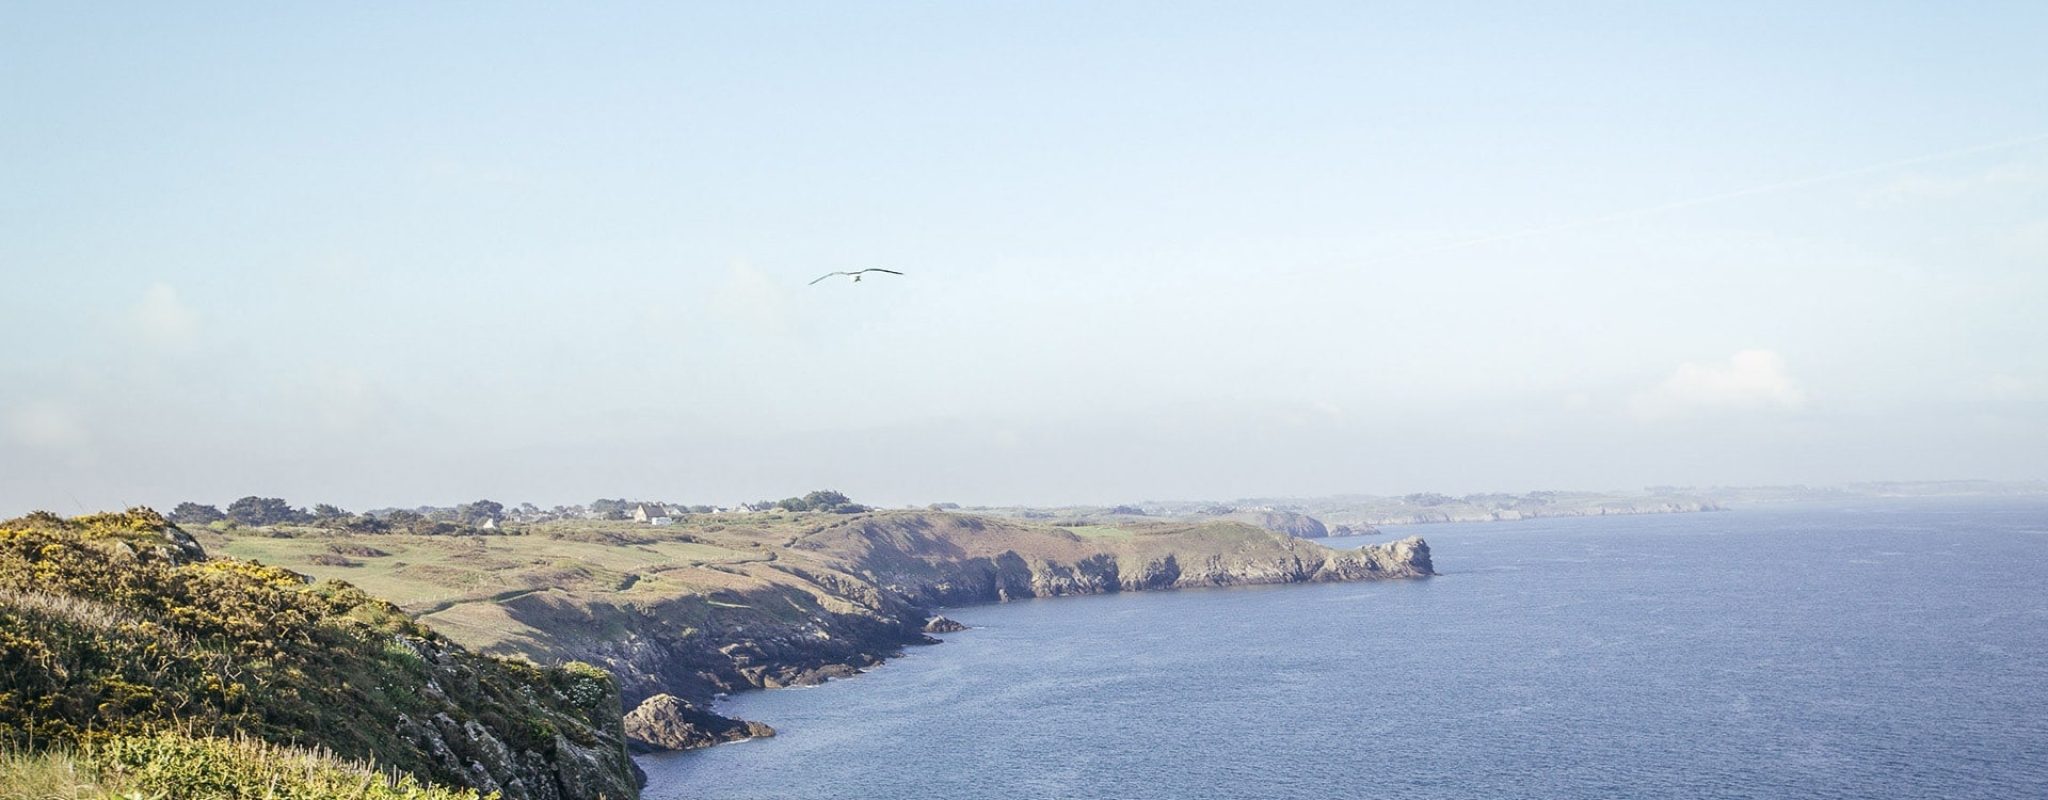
[390, 255]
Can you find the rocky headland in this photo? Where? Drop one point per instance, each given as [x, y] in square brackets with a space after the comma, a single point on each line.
[716, 604]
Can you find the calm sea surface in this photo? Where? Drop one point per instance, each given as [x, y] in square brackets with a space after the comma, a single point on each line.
[1888, 649]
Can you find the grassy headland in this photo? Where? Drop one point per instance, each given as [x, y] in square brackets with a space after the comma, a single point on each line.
[722, 602]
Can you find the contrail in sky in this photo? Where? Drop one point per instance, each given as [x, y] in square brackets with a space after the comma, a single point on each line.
[1752, 191]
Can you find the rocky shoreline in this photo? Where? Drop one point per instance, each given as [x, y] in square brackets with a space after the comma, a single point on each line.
[710, 605]
[671, 671]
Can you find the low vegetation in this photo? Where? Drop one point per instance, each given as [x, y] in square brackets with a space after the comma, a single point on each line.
[172, 766]
[116, 630]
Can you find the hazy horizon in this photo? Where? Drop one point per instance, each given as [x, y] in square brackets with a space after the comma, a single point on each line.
[393, 257]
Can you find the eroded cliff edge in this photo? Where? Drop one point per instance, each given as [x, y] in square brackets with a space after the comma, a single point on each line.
[844, 593]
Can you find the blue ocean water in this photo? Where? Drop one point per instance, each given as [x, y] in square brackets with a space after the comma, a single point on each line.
[1888, 649]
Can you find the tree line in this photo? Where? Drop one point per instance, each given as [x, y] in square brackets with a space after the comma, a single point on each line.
[254, 511]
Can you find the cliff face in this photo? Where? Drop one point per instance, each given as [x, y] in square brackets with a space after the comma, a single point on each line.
[920, 560]
[853, 592]
[724, 603]
[119, 624]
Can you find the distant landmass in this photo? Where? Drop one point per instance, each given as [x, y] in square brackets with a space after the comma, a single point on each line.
[1363, 514]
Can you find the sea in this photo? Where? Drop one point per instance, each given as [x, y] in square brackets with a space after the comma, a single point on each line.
[1870, 649]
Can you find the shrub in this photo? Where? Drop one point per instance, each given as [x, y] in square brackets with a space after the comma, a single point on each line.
[171, 765]
[111, 633]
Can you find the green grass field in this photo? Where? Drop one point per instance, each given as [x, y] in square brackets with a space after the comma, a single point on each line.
[461, 585]
[420, 572]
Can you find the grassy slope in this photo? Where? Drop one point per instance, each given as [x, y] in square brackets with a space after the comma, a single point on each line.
[108, 633]
[167, 766]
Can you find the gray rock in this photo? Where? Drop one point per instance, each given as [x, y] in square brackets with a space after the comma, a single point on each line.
[668, 722]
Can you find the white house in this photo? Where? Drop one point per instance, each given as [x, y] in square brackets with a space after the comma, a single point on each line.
[652, 514]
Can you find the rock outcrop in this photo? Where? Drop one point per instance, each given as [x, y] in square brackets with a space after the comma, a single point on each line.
[941, 624]
[668, 722]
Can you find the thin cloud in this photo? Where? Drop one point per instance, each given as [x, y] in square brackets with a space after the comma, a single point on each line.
[1751, 380]
[46, 426]
[1929, 187]
[2012, 387]
[341, 399]
[755, 301]
[162, 321]
[1719, 197]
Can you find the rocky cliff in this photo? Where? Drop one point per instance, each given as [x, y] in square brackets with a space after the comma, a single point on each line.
[849, 592]
[713, 604]
[957, 561]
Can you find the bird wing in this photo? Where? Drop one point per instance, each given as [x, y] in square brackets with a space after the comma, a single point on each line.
[814, 281]
[879, 269]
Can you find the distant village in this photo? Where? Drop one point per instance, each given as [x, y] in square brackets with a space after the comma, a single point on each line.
[486, 515]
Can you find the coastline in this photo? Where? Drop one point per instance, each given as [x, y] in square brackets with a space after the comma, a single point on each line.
[1403, 559]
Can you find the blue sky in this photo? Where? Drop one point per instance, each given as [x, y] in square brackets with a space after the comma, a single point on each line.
[389, 255]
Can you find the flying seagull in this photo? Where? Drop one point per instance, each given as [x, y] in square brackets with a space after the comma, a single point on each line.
[855, 275]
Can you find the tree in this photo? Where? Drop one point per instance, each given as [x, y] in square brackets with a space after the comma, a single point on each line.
[253, 511]
[189, 513]
[325, 512]
[825, 500]
[478, 512]
[404, 520]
